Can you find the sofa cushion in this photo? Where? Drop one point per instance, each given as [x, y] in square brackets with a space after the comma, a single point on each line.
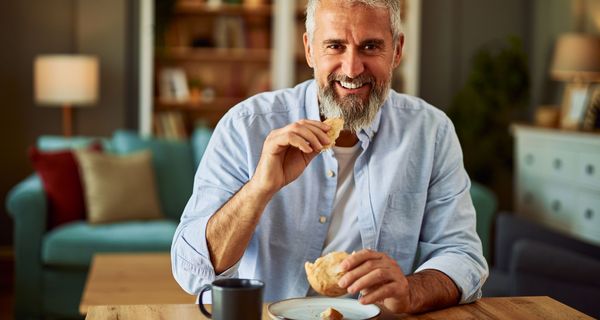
[60, 176]
[119, 187]
[173, 165]
[53, 143]
[74, 244]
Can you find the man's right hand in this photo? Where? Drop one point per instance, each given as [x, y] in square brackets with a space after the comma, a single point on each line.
[287, 152]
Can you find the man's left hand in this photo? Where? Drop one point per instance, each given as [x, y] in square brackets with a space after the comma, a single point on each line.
[378, 278]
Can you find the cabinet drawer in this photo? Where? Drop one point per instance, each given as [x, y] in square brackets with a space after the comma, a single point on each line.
[587, 217]
[559, 204]
[559, 163]
[529, 200]
[530, 158]
[588, 169]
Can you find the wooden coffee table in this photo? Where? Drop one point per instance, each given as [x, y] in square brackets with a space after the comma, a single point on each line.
[131, 279]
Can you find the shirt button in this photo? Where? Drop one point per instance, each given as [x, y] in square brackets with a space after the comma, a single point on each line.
[330, 173]
[322, 219]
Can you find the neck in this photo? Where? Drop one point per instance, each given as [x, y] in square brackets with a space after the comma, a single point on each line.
[346, 139]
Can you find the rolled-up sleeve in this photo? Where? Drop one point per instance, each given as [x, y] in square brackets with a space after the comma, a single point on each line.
[219, 176]
[449, 241]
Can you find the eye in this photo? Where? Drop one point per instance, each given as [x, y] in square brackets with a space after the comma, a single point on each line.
[370, 47]
[334, 46]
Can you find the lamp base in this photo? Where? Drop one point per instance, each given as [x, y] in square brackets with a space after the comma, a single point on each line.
[67, 114]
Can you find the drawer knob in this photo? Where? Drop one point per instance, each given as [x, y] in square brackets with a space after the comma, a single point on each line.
[556, 205]
[589, 169]
[557, 164]
[529, 159]
[589, 214]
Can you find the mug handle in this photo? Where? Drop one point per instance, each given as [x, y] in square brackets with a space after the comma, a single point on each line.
[205, 312]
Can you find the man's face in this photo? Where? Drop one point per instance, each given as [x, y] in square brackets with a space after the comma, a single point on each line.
[353, 56]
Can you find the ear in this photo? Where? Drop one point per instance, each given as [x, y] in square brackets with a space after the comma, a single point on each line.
[307, 50]
[398, 51]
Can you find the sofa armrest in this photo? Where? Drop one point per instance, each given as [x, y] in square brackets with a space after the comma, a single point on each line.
[26, 203]
[544, 269]
[510, 229]
[555, 263]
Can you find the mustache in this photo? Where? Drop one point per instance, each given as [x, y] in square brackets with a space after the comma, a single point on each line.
[362, 78]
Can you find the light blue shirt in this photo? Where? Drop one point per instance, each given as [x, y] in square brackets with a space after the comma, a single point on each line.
[415, 203]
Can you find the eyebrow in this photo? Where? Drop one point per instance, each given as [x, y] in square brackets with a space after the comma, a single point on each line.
[374, 41]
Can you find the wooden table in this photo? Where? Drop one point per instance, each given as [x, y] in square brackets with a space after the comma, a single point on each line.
[132, 278]
[531, 308]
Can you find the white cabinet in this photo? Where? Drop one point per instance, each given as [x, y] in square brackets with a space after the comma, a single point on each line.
[557, 179]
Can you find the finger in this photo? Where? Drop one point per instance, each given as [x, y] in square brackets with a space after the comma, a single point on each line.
[374, 278]
[385, 291]
[307, 134]
[319, 132]
[279, 140]
[358, 272]
[357, 258]
[300, 143]
[323, 126]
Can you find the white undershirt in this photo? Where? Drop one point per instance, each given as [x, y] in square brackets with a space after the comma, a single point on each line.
[343, 234]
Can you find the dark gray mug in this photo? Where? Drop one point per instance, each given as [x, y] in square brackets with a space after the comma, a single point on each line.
[234, 299]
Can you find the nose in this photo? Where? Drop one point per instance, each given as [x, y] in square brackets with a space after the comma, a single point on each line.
[352, 64]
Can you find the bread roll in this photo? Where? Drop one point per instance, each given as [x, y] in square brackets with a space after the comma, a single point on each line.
[337, 124]
[331, 314]
[324, 274]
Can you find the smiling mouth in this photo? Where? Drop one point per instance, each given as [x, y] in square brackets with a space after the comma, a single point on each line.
[351, 85]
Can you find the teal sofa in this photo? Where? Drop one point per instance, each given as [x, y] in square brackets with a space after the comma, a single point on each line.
[51, 265]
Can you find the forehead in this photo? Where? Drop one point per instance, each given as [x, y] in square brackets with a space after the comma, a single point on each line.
[340, 18]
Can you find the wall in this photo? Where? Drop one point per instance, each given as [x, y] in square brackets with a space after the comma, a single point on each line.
[452, 31]
[32, 27]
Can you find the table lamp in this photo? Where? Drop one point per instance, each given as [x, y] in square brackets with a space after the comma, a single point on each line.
[65, 81]
[577, 58]
[576, 62]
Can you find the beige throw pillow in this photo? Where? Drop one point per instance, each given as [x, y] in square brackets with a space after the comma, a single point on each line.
[118, 188]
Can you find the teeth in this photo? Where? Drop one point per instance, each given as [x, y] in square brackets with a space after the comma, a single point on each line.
[350, 85]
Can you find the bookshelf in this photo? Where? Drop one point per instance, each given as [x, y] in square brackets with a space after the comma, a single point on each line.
[226, 51]
[229, 50]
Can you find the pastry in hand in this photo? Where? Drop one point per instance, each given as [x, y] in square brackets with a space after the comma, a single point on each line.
[324, 274]
[336, 124]
[331, 314]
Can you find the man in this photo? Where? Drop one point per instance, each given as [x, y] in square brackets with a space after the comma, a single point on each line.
[266, 199]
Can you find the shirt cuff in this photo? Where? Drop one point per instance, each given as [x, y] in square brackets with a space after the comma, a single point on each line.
[232, 272]
[468, 280]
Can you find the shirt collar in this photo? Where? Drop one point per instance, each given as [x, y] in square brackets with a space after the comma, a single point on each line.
[312, 112]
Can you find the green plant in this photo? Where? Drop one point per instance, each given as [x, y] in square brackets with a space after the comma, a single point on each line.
[495, 94]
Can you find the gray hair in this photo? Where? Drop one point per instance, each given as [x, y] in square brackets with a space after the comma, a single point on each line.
[393, 7]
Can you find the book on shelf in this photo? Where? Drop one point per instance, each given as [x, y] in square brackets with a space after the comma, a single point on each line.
[173, 86]
[170, 125]
[229, 32]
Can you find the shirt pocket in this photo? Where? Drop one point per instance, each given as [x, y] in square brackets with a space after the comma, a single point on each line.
[401, 226]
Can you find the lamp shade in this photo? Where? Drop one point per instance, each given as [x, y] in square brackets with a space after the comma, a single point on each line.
[577, 58]
[66, 80]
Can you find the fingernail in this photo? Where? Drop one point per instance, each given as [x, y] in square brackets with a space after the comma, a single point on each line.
[342, 283]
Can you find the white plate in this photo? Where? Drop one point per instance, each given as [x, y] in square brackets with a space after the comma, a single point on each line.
[311, 307]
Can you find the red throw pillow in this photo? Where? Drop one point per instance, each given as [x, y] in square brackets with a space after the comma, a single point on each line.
[60, 177]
